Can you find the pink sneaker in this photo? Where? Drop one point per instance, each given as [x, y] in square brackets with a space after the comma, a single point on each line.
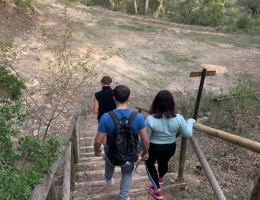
[156, 194]
[160, 179]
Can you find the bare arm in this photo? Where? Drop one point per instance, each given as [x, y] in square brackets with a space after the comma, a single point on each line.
[95, 106]
[97, 143]
[145, 140]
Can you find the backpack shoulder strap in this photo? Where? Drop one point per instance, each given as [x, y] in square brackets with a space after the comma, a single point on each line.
[114, 117]
[132, 117]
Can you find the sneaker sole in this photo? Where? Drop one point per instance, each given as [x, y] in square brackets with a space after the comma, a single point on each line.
[155, 196]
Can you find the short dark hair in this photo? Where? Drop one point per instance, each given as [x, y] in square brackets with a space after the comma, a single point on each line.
[121, 93]
[106, 80]
[163, 105]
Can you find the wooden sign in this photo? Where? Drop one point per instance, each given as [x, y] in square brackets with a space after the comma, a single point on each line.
[198, 74]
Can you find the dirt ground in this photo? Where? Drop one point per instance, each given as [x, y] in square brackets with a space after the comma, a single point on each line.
[156, 55]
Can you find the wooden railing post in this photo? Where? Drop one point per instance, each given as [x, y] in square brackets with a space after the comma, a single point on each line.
[203, 74]
[75, 145]
[72, 180]
[67, 173]
[255, 195]
[52, 195]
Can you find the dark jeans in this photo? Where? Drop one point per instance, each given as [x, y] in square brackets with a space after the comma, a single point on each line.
[162, 153]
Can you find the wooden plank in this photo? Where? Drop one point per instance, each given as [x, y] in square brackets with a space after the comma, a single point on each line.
[52, 192]
[204, 163]
[41, 191]
[198, 74]
[182, 158]
[240, 141]
[109, 195]
[75, 145]
[78, 136]
[102, 182]
[255, 195]
[72, 180]
[67, 174]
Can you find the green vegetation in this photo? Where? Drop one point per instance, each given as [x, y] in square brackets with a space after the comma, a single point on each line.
[137, 27]
[227, 15]
[23, 161]
[238, 41]
[172, 58]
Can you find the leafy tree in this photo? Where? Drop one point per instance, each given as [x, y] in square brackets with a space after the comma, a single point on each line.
[253, 5]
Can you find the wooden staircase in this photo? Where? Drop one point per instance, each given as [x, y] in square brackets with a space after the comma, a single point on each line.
[89, 176]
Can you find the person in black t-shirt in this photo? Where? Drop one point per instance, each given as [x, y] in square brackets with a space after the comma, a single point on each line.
[103, 101]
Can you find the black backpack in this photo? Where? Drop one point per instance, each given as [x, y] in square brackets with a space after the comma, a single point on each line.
[123, 144]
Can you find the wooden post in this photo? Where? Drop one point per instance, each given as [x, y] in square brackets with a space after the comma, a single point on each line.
[78, 136]
[255, 195]
[202, 74]
[52, 195]
[135, 6]
[146, 5]
[67, 173]
[75, 145]
[72, 180]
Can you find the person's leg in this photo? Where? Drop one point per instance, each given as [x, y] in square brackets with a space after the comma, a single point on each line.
[109, 169]
[126, 180]
[165, 153]
[150, 167]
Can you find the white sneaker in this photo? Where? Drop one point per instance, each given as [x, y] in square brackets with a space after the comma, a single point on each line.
[109, 182]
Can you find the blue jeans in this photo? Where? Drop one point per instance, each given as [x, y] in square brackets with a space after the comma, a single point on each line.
[126, 180]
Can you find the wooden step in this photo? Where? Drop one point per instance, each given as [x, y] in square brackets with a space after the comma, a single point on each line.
[134, 193]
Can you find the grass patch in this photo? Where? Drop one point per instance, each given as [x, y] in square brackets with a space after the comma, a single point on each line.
[235, 40]
[137, 28]
[172, 58]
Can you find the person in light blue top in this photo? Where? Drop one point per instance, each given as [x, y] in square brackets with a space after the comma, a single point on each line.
[162, 125]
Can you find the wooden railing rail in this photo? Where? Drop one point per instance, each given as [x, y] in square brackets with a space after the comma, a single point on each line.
[46, 189]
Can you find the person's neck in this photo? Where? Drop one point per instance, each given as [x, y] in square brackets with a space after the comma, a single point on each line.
[121, 106]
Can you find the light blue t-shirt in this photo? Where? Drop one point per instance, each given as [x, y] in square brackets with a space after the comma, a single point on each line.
[107, 125]
[163, 130]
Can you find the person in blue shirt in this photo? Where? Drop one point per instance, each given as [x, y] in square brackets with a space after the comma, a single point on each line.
[162, 126]
[107, 127]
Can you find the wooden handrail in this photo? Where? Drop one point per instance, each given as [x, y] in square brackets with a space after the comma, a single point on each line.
[240, 141]
[46, 188]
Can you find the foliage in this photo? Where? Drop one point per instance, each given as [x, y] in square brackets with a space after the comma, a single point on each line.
[253, 5]
[23, 5]
[238, 107]
[11, 86]
[202, 12]
[243, 22]
[21, 164]
[24, 160]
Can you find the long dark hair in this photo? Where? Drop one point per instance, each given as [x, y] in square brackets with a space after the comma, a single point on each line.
[163, 105]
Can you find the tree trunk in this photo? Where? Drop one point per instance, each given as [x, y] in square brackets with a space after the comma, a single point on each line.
[135, 6]
[146, 5]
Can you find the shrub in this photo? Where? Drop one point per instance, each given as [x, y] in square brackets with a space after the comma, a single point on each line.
[23, 5]
[210, 12]
[243, 22]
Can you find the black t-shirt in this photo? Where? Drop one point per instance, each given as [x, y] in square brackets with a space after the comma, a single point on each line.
[105, 101]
